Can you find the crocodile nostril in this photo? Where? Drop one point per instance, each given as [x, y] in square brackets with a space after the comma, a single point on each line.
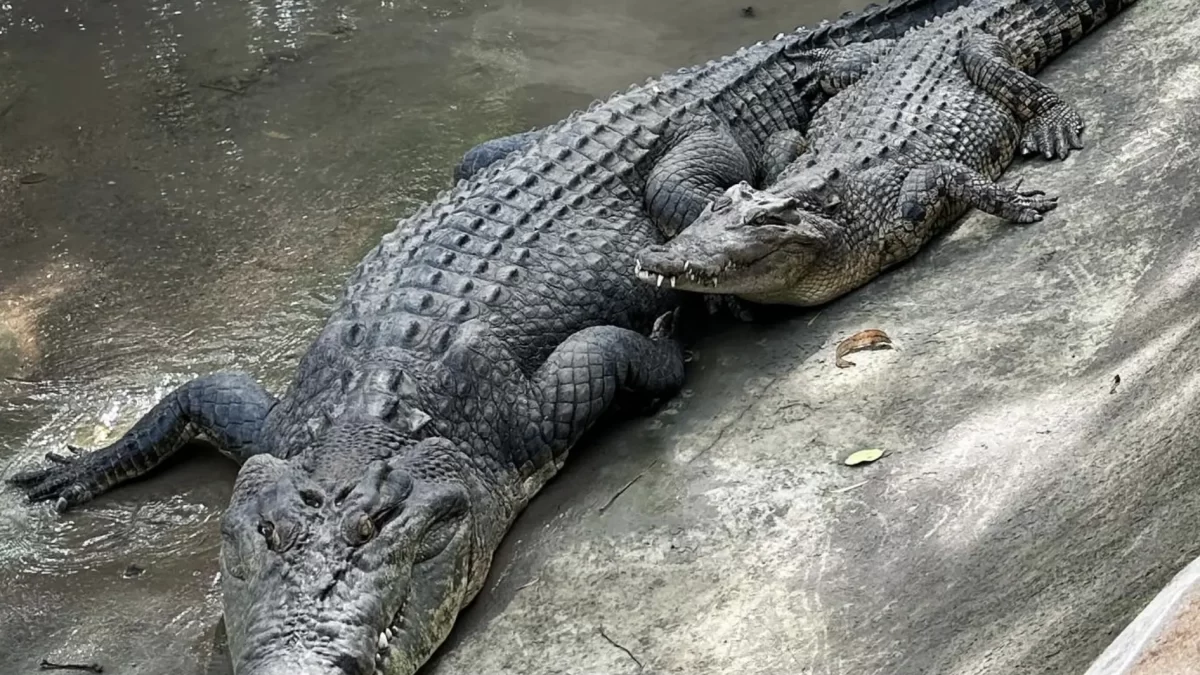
[312, 498]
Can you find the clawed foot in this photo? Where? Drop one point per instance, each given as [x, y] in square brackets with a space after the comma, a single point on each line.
[664, 326]
[1053, 133]
[62, 482]
[718, 304]
[1027, 206]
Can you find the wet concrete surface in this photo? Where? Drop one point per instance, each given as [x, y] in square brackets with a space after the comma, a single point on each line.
[213, 169]
[184, 185]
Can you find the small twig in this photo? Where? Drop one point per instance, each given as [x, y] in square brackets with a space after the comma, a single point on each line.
[18, 380]
[621, 492]
[221, 87]
[614, 643]
[90, 667]
[527, 585]
[851, 487]
[814, 318]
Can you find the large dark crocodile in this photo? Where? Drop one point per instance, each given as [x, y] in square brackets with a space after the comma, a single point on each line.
[916, 133]
[471, 348]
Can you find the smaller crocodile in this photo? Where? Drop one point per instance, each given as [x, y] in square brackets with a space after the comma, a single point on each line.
[916, 132]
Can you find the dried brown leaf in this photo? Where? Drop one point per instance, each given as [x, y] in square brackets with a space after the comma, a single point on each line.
[872, 338]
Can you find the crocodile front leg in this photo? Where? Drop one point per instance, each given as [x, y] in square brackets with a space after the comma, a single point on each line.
[1052, 126]
[584, 375]
[928, 188]
[229, 408]
[703, 161]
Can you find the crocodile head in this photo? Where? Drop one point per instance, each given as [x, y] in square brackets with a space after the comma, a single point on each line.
[353, 559]
[748, 242]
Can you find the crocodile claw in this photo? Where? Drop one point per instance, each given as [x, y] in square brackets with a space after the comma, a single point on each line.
[664, 326]
[1027, 206]
[720, 304]
[1054, 132]
[61, 482]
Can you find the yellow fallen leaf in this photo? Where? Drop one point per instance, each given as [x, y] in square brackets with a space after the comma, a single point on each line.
[863, 456]
[276, 134]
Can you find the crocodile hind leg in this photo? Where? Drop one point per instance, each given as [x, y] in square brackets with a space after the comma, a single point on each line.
[488, 153]
[229, 408]
[1052, 126]
[585, 374]
[928, 188]
[702, 162]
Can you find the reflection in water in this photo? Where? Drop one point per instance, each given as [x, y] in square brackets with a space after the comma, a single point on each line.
[11, 19]
[173, 93]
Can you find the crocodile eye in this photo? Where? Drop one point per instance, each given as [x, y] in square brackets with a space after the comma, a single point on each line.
[759, 219]
[365, 529]
[267, 529]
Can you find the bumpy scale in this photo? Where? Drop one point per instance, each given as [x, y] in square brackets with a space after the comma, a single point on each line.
[917, 131]
[470, 350]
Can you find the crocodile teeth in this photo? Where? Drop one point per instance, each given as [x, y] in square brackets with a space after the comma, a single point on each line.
[672, 282]
[687, 265]
[382, 642]
[390, 634]
[381, 662]
[660, 280]
[637, 266]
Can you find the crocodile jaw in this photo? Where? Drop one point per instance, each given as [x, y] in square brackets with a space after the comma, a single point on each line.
[359, 576]
[715, 275]
[731, 262]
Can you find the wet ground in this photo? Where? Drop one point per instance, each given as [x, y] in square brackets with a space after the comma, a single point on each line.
[183, 186]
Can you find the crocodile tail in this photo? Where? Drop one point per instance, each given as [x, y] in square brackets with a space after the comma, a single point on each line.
[1049, 27]
[875, 22]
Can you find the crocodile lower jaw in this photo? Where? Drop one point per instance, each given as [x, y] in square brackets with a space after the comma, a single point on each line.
[383, 651]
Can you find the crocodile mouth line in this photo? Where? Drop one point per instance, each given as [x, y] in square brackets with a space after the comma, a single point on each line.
[384, 642]
[697, 274]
